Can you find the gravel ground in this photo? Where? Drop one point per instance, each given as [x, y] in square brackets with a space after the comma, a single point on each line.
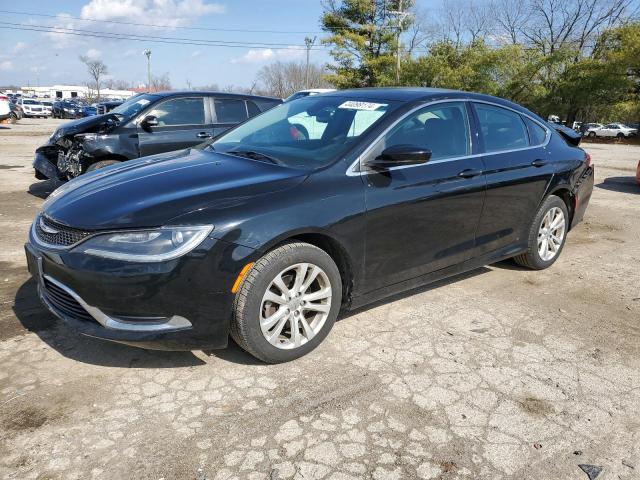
[499, 373]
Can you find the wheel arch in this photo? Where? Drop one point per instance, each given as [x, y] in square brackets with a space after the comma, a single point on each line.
[564, 193]
[331, 245]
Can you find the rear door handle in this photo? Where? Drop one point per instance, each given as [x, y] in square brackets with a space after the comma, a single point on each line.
[539, 163]
[203, 135]
[470, 173]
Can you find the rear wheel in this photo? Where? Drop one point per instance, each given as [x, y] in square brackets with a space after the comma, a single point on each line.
[547, 235]
[620, 135]
[287, 303]
[101, 164]
[592, 134]
[13, 118]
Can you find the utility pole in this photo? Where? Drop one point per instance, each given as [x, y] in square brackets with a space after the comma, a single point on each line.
[147, 52]
[308, 41]
[400, 16]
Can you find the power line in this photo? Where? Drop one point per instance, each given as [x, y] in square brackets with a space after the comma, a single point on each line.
[13, 12]
[150, 38]
[57, 29]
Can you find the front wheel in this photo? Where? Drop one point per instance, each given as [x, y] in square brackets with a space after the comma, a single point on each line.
[620, 135]
[101, 164]
[547, 235]
[592, 134]
[287, 303]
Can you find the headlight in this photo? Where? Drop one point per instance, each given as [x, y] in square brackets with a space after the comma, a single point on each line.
[155, 245]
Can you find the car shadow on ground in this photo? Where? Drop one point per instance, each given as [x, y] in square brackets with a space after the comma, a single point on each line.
[44, 188]
[620, 184]
[36, 318]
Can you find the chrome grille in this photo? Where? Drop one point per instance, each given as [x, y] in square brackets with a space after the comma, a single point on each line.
[53, 233]
[64, 302]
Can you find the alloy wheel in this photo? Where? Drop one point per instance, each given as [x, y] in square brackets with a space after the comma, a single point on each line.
[295, 306]
[551, 234]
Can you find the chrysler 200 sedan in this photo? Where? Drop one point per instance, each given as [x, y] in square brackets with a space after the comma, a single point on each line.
[324, 203]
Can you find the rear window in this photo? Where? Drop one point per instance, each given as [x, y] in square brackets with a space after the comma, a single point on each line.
[230, 110]
[537, 134]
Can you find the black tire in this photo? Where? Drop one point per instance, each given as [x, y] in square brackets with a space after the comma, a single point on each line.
[531, 258]
[245, 325]
[101, 164]
[13, 118]
[592, 134]
[620, 135]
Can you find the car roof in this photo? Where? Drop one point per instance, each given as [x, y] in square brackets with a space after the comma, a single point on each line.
[420, 94]
[211, 92]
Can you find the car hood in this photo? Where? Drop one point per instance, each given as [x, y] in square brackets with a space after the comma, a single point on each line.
[82, 125]
[150, 191]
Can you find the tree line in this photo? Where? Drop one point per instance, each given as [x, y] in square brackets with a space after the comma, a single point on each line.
[579, 59]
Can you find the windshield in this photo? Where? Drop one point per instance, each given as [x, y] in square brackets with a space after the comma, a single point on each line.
[310, 132]
[134, 105]
[30, 102]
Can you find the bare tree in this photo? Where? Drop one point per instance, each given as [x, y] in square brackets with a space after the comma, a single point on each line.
[453, 18]
[477, 20]
[558, 23]
[511, 17]
[281, 79]
[160, 83]
[117, 84]
[97, 69]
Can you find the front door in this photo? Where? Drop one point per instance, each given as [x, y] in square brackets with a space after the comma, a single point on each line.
[182, 122]
[423, 218]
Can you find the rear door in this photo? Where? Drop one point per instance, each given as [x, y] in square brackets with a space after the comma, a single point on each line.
[518, 169]
[228, 113]
[182, 122]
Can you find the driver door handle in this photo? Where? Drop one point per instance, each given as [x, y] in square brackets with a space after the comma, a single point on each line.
[470, 173]
[203, 135]
[539, 163]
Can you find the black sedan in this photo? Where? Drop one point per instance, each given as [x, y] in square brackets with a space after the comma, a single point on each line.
[144, 125]
[324, 203]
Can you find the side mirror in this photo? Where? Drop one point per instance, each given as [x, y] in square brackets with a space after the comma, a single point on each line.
[400, 155]
[149, 121]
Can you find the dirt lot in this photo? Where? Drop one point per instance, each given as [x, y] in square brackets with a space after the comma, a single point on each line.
[500, 373]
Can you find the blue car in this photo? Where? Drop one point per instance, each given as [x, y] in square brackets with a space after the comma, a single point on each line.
[89, 111]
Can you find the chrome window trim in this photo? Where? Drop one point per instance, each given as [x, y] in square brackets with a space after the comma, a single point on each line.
[352, 172]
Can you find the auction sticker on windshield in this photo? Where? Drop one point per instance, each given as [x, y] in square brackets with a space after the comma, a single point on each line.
[353, 105]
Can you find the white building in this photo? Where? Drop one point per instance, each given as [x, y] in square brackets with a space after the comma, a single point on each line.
[73, 91]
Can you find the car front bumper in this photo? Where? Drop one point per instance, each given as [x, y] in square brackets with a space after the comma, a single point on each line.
[181, 304]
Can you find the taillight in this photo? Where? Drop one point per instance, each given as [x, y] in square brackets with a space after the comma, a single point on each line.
[3, 97]
[587, 159]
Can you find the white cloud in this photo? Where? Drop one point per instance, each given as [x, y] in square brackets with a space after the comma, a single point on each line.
[18, 47]
[6, 66]
[93, 54]
[171, 13]
[268, 54]
[59, 36]
[196, 54]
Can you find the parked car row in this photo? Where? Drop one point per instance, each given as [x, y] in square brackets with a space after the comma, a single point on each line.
[619, 130]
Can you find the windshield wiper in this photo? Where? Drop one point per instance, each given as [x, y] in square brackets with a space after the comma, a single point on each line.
[253, 155]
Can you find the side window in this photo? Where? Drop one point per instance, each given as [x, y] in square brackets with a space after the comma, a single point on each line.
[537, 134]
[442, 128]
[230, 110]
[252, 108]
[501, 129]
[180, 111]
